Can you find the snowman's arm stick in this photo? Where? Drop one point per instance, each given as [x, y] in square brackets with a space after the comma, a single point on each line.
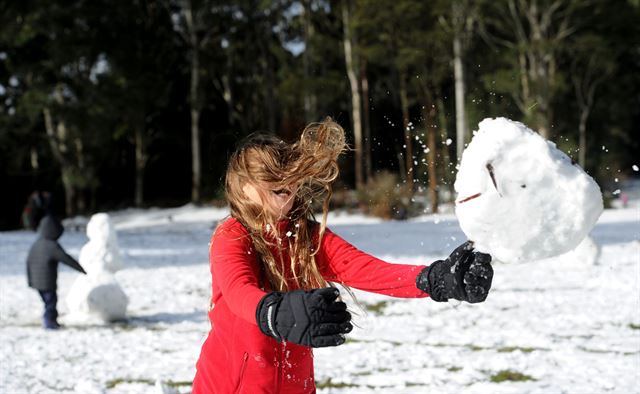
[469, 198]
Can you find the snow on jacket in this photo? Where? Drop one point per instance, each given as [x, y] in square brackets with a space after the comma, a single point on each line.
[45, 254]
[237, 357]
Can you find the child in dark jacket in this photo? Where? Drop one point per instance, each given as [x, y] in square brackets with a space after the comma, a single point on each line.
[42, 267]
[272, 266]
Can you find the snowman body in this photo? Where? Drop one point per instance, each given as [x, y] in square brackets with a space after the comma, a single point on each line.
[97, 296]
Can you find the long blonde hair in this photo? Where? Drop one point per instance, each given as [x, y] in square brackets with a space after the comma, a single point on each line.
[311, 164]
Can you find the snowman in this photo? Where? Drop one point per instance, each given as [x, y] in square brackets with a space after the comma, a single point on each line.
[97, 296]
[521, 199]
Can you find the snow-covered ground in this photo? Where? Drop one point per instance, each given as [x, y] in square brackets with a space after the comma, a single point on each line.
[558, 326]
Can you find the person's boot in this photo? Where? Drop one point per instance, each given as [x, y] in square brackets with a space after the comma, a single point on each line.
[51, 324]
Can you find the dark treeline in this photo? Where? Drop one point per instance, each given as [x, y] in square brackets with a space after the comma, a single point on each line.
[113, 104]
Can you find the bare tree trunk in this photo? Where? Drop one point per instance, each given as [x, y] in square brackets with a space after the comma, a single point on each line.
[429, 115]
[539, 34]
[57, 136]
[447, 178]
[35, 164]
[458, 71]
[270, 94]
[141, 163]
[582, 127]
[586, 78]
[355, 94]
[196, 172]
[310, 99]
[364, 83]
[544, 124]
[69, 192]
[81, 197]
[194, 103]
[408, 142]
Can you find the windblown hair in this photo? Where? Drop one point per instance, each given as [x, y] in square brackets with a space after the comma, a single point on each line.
[311, 166]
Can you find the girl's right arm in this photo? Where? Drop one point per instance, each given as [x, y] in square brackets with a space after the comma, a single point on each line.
[235, 270]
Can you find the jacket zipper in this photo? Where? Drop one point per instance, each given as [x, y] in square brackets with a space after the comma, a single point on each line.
[245, 357]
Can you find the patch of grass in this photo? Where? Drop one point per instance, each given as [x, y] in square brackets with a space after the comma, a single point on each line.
[136, 324]
[473, 348]
[510, 349]
[377, 308]
[597, 351]
[330, 384]
[600, 351]
[176, 385]
[110, 384]
[393, 343]
[454, 369]
[508, 375]
[634, 326]
[368, 373]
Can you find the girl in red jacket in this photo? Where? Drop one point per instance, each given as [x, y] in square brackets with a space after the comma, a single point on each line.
[271, 265]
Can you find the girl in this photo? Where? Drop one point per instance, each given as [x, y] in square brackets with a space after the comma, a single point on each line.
[271, 265]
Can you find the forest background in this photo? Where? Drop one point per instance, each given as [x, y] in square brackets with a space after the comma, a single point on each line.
[139, 103]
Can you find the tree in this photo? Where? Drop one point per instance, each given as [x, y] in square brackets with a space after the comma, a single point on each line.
[356, 106]
[534, 32]
[591, 65]
[433, 65]
[460, 19]
[55, 61]
[198, 23]
[143, 33]
[385, 35]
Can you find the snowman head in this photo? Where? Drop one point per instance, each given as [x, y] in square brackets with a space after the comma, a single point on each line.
[99, 228]
[519, 197]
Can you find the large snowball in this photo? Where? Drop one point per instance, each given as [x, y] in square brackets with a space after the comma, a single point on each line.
[519, 198]
[97, 298]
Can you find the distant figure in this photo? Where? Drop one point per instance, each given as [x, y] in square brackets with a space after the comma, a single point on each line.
[98, 297]
[42, 267]
[625, 199]
[39, 204]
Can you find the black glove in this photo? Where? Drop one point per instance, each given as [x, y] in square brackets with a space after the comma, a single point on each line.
[465, 276]
[311, 318]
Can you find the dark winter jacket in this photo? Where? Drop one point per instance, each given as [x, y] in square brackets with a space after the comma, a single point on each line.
[45, 253]
[237, 357]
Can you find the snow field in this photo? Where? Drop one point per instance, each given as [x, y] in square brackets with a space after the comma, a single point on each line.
[546, 327]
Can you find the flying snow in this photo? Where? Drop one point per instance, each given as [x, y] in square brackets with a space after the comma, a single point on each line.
[519, 198]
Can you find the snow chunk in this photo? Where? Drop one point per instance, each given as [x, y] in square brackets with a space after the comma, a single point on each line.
[519, 198]
[98, 298]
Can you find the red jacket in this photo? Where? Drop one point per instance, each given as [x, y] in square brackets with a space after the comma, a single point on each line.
[236, 356]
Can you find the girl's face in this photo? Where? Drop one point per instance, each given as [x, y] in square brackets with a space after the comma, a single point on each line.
[276, 200]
